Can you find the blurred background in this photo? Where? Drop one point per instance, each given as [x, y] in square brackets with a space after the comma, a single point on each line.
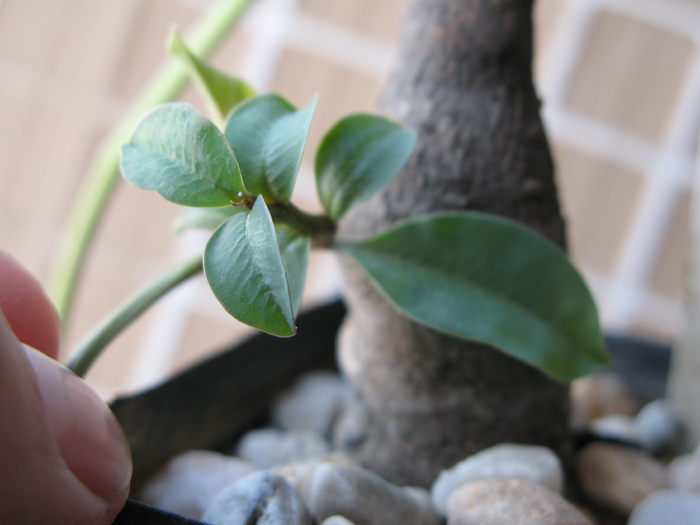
[620, 82]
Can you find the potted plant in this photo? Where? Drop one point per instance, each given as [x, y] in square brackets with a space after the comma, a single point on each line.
[461, 313]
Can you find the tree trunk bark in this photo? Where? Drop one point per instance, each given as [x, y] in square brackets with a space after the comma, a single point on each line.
[424, 400]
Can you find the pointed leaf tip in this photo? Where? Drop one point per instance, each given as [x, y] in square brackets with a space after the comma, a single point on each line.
[244, 268]
[268, 135]
[294, 249]
[488, 279]
[222, 92]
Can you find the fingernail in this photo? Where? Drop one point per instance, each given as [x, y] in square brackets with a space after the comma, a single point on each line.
[91, 441]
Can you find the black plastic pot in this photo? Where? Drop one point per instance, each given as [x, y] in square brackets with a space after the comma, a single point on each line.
[210, 405]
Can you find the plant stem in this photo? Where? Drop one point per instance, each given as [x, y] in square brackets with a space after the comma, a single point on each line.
[97, 340]
[103, 172]
[319, 227]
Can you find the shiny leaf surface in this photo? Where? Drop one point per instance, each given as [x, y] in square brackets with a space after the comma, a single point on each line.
[183, 156]
[357, 158]
[488, 279]
[244, 268]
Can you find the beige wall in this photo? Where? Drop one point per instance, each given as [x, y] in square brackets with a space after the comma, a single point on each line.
[613, 84]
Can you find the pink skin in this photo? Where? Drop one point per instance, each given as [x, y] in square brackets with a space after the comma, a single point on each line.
[63, 457]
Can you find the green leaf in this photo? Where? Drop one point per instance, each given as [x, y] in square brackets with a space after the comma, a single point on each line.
[357, 158]
[205, 218]
[295, 254]
[268, 135]
[184, 157]
[221, 91]
[488, 279]
[243, 265]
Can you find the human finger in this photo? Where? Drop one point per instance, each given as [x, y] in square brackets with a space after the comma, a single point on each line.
[31, 315]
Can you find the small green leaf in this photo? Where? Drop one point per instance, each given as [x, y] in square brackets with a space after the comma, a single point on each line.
[268, 135]
[244, 268]
[184, 157]
[205, 218]
[357, 158]
[488, 279]
[295, 254]
[221, 91]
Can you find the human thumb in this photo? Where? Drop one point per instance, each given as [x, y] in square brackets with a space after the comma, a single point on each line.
[63, 456]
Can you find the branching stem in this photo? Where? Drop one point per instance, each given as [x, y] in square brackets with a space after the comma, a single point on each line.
[320, 228]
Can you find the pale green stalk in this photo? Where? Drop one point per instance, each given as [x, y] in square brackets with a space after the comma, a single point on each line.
[103, 172]
[96, 341]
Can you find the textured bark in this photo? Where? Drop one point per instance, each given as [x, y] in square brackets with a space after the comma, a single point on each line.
[425, 400]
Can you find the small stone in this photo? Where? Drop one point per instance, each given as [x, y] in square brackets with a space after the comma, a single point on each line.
[300, 475]
[618, 427]
[617, 477]
[660, 427]
[667, 507]
[268, 447]
[684, 473]
[365, 498]
[262, 498]
[312, 404]
[511, 501]
[600, 395]
[505, 461]
[337, 520]
[189, 482]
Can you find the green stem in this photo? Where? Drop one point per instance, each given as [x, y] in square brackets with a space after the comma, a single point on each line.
[103, 172]
[96, 341]
[320, 228]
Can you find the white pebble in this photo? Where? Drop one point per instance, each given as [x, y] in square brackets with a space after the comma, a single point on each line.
[337, 520]
[268, 447]
[667, 507]
[189, 482]
[300, 475]
[312, 404]
[659, 427]
[505, 461]
[684, 473]
[616, 426]
[510, 501]
[261, 497]
[365, 498]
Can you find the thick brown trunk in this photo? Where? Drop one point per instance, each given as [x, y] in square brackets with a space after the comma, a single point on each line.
[425, 400]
